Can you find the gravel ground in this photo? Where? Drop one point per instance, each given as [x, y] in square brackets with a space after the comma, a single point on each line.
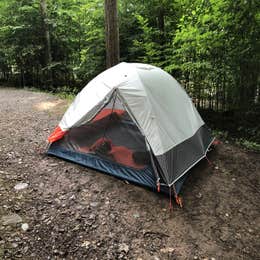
[61, 210]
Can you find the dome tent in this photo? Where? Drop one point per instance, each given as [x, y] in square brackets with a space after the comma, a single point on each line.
[133, 121]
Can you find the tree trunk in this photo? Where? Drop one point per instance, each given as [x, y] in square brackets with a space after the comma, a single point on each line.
[161, 25]
[112, 33]
[48, 56]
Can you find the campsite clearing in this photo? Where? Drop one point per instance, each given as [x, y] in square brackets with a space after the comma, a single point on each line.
[72, 212]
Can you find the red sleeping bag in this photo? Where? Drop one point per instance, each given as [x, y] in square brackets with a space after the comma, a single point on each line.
[119, 154]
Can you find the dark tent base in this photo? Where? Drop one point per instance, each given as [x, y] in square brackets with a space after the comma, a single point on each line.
[143, 177]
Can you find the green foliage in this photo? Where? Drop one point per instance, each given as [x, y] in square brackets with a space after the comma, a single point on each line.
[66, 93]
[215, 48]
[247, 144]
[61, 92]
[253, 146]
[223, 135]
[77, 42]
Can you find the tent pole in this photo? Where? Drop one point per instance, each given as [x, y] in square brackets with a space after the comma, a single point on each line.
[154, 166]
[110, 116]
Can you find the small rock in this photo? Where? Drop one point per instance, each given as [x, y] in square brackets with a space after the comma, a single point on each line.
[124, 248]
[167, 250]
[17, 208]
[61, 230]
[21, 186]
[25, 227]
[227, 215]
[136, 215]
[72, 197]
[212, 258]
[238, 235]
[53, 164]
[199, 195]
[92, 216]
[86, 244]
[55, 251]
[93, 204]
[61, 253]
[250, 230]
[233, 179]
[224, 235]
[14, 245]
[11, 219]
[216, 168]
[195, 257]
[57, 201]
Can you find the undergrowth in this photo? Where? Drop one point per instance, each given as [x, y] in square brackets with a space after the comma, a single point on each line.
[61, 92]
[242, 142]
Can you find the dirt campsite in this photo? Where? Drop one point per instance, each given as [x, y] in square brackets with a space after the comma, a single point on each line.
[54, 209]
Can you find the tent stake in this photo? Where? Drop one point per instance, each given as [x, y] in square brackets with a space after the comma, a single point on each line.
[178, 199]
[209, 162]
[170, 193]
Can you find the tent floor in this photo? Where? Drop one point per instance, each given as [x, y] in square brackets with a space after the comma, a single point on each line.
[144, 177]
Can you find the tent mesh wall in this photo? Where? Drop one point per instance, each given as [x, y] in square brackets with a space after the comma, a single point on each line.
[111, 135]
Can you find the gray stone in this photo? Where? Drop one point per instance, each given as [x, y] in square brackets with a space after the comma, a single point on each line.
[92, 217]
[224, 236]
[21, 186]
[93, 204]
[167, 250]
[86, 244]
[124, 248]
[136, 215]
[14, 245]
[11, 219]
[25, 227]
[199, 195]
